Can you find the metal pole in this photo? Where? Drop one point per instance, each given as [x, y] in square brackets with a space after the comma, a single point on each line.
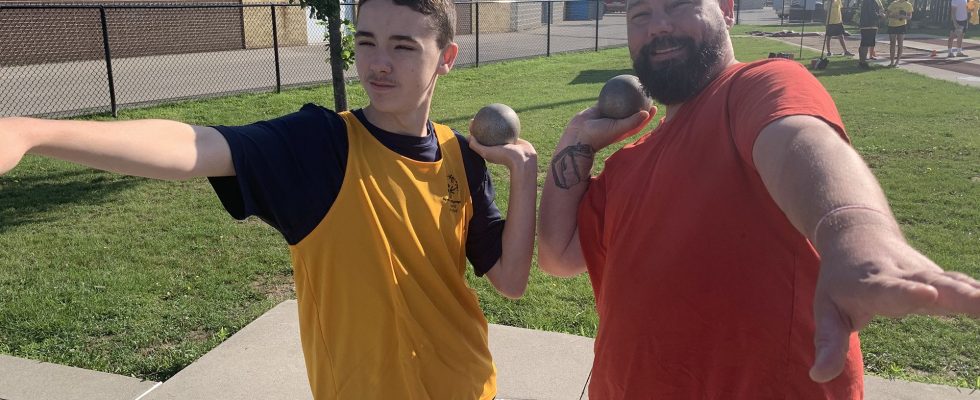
[783, 15]
[738, 10]
[597, 25]
[275, 50]
[803, 29]
[549, 29]
[477, 34]
[108, 62]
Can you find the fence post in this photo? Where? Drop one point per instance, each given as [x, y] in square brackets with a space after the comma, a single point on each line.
[597, 15]
[477, 34]
[550, 12]
[738, 10]
[275, 49]
[108, 62]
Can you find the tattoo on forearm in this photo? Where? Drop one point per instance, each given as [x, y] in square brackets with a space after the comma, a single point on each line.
[572, 165]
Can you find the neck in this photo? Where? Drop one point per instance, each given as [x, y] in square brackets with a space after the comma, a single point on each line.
[402, 123]
[729, 60]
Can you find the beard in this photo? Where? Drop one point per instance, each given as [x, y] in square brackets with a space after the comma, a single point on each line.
[677, 80]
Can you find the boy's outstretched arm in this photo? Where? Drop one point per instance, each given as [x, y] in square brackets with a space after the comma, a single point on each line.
[510, 274]
[157, 149]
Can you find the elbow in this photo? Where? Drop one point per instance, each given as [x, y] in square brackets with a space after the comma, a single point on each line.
[513, 292]
[559, 270]
[552, 265]
[510, 280]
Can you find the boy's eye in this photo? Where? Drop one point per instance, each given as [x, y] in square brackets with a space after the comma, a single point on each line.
[403, 47]
[365, 43]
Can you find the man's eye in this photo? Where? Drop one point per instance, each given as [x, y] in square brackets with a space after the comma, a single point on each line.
[365, 44]
[402, 47]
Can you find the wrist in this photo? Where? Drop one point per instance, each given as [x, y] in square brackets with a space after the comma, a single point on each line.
[522, 164]
[847, 225]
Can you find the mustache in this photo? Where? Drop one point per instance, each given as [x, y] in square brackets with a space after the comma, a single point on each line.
[665, 42]
[379, 79]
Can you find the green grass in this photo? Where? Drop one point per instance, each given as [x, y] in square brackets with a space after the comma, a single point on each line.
[138, 277]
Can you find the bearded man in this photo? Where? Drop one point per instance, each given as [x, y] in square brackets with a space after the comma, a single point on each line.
[736, 250]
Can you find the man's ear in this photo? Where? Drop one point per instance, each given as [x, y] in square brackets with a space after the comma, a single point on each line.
[448, 58]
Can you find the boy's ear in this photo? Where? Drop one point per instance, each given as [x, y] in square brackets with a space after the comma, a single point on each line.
[447, 58]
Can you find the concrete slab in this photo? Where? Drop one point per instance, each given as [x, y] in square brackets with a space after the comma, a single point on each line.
[262, 361]
[22, 379]
[876, 388]
[539, 365]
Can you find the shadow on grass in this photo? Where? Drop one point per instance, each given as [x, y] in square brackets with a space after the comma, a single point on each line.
[31, 199]
[599, 75]
[842, 66]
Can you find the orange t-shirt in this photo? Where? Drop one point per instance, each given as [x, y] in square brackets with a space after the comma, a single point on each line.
[703, 287]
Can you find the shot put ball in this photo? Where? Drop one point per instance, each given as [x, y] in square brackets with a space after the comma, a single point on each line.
[496, 124]
[621, 97]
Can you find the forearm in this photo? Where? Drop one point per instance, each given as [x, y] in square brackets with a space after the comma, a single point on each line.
[567, 180]
[820, 183]
[514, 266]
[151, 148]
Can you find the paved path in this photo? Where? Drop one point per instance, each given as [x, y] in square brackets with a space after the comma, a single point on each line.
[917, 55]
[263, 361]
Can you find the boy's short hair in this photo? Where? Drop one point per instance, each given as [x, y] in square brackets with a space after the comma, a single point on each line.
[441, 13]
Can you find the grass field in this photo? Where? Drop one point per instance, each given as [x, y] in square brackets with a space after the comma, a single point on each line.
[140, 277]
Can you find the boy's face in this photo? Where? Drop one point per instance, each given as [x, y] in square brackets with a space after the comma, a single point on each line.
[397, 56]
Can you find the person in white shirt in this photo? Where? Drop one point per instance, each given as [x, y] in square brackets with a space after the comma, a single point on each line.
[957, 12]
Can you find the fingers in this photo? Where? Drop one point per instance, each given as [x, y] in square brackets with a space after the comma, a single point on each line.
[957, 294]
[831, 339]
[636, 122]
[897, 296]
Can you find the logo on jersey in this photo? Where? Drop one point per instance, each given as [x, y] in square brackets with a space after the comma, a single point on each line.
[453, 200]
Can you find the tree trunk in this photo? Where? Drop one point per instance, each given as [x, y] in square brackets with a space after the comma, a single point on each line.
[336, 63]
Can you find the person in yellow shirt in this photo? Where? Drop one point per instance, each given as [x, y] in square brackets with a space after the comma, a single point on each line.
[899, 13]
[380, 207]
[973, 7]
[835, 27]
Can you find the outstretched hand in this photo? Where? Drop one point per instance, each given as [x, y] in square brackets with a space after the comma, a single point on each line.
[864, 274]
[590, 128]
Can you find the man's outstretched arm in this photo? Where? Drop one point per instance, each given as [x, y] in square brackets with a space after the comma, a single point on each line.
[866, 268]
[157, 149]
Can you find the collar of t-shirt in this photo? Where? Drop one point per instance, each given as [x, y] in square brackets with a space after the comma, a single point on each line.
[424, 148]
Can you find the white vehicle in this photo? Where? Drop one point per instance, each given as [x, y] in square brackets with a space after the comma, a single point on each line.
[782, 7]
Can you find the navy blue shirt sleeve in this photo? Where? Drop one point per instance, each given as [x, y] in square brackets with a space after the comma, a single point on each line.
[288, 170]
[486, 228]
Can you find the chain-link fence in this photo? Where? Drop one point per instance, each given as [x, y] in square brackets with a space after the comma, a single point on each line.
[68, 59]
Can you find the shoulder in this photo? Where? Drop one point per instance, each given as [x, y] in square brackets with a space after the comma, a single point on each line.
[472, 161]
[771, 72]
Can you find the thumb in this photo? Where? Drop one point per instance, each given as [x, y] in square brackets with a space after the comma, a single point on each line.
[832, 339]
